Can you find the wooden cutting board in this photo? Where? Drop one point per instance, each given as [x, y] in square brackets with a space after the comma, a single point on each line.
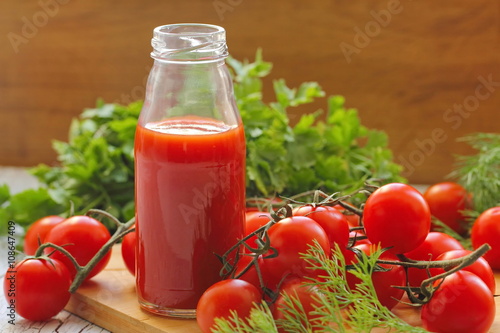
[109, 300]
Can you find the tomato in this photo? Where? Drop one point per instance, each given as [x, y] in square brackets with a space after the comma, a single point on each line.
[82, 236]
[222, 298]
[480, 267]
[37, 231]
[446, 201]
[37, 288]
[299, 291]
[253, 221]
[396, 216]
[435, 244]
[462, 304]
[251, 274]
[331, 220]
[128, 251]
[486, 229]
[383, 282]
[292, 237]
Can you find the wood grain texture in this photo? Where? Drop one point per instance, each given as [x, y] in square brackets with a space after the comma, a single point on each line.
[109, 300]
[415, 69]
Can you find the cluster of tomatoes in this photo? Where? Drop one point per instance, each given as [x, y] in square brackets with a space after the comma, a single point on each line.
[271, 261]
[395, 217]
[37, 287]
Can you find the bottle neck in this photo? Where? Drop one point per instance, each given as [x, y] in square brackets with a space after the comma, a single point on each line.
[189, 42]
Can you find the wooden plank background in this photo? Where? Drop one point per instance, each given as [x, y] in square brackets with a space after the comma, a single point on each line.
[426, 72]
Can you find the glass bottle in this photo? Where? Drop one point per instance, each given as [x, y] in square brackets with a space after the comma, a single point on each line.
[189, 169]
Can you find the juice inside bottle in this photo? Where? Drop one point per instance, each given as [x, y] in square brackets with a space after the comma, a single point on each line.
[190, 185]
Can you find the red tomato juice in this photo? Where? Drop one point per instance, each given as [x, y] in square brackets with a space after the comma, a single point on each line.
[190, 204]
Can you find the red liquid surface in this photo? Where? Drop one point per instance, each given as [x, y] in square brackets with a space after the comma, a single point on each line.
[190, 198]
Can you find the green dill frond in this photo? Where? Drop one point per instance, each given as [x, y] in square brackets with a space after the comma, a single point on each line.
[339, 310]
[260, 321]
[480, 173]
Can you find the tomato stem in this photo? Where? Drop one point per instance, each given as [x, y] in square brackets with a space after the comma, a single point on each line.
[122, 230]
[83, 271]
[427, 288]
[39, 253]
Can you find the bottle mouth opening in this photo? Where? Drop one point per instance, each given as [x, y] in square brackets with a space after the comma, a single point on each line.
[189, 42]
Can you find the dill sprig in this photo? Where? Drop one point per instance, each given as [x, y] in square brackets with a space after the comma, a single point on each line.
[480, 173]
[340, 308]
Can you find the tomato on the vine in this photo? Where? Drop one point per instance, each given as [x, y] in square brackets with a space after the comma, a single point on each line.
[223, 297]
[83, 237]
[486, 229]
[38, 288]
[396, 216]
[434, 245]
[250, 275]
[298, 290]
[253, 221]
[462, 304]
[331, 220]
[36, 232]
[128, 251]
[384, 282]
[480, 267]
[292, 237]
[447, 201]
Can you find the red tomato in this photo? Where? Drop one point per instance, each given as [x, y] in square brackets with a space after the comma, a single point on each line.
[396, 216]
[37, 289]
[331, 220]
[480, 267]
[383, 282]
[292, 237]
[462, 304]
[253, 221]
[298, 291]
[128, 251]
[222, 298]
[37, 231]
[82, 236]
[435, 244]
[446, 201]
[486, 229]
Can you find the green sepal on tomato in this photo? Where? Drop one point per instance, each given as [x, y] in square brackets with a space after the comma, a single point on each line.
[82, 236]
[37, 288]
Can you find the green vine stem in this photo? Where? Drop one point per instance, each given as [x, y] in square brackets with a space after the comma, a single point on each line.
[426, 289]
[82, 272]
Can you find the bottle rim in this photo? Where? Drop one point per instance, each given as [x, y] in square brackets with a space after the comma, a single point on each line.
[188, 42]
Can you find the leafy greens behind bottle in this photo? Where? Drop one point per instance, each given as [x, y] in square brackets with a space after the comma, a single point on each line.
[337, 154]
[96, 164]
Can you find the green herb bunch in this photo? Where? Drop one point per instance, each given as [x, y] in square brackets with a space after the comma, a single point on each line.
[336, 154]
[96, 169]
[479, 173]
